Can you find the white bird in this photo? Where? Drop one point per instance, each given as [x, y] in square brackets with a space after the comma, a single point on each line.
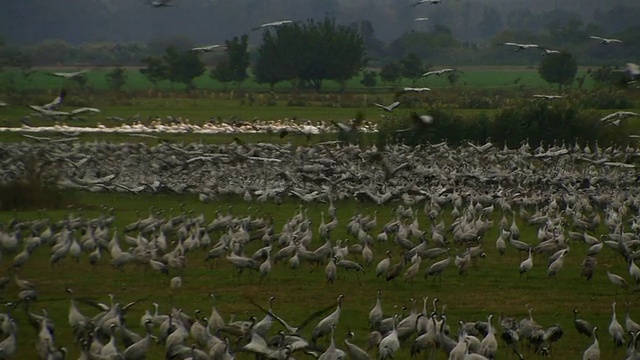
[522, 46]
[437, 72]
[421, 19]
[432, 2]
[273, 24]
[52, 105]
[83, 110]
[546, 51]
[69, 75]
[413, 89]
[547, 97]
[388, 108]
[605, 40]
[47, 112]
[3, 104]
[203, 49]
[161, 3]
[618, 115]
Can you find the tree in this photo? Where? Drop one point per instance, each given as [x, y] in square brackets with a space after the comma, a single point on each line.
[369, 78]
[310, 53]
[412, 67]
[182, 66]
[116, 78]
[391, 73]
[235, 67]
[155, 70]
[558, 69]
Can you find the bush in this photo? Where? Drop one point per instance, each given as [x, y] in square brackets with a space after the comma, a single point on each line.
[33, 191]
[533, 121]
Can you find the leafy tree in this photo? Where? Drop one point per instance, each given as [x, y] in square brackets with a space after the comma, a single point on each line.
[369, 78]
[558, 69]
[235, 67]
[310, 53]
[411, 67]
[116, 78]
[608, 76]
[453, 77]
[270, 69]
[183, 66]
[391, 73]
[155, 70]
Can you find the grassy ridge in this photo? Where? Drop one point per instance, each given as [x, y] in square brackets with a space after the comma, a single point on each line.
[491, 286]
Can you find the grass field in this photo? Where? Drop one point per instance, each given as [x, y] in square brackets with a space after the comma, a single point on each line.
[492, 286]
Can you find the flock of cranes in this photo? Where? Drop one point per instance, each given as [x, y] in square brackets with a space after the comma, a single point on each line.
[564, 225]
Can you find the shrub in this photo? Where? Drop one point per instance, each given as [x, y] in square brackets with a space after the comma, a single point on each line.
[33, 191]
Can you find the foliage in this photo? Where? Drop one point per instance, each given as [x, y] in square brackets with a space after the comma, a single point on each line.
[558, 69]
[182, 66]
[391, 72]
[310, 53]
[369, 78]
[33, 191]
[234, 68]
[155, 70]
[607, 75]
[116, 78]
[412, 67]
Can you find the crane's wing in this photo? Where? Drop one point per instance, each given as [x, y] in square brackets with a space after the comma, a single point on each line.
[316, 314]
[394, 105]
[596, 37]
[512, 44]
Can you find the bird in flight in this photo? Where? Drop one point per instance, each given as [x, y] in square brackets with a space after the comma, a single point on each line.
[388, 108]
[546, 51]
[605, 40]
[421, 19]
[161, 3]
[204, 49]
[432, 2]
[3, 104]
[618, 115]
[56, 102]
[522, 46]
[437, 72]
[273, 24]
[547, 97]
[412, 89]
[69, 75]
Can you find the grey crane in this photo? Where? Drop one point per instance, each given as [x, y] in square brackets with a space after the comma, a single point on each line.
[593, 351]
[527, 264]
[326, 324]
[389, 344]
[332, 352]
[588, 267]
[139, 349]
[388, 108]
[583, 326]
[437, 268]
[376, 314]
[615, 329]
[354, 351]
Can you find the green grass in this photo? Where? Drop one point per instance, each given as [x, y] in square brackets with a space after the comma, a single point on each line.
[472, 77]
[492, 286]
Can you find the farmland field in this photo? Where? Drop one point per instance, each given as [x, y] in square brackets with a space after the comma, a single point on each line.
[492, 285]
[471, 77]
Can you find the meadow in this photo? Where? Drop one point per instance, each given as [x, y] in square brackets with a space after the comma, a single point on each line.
[491, 286]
